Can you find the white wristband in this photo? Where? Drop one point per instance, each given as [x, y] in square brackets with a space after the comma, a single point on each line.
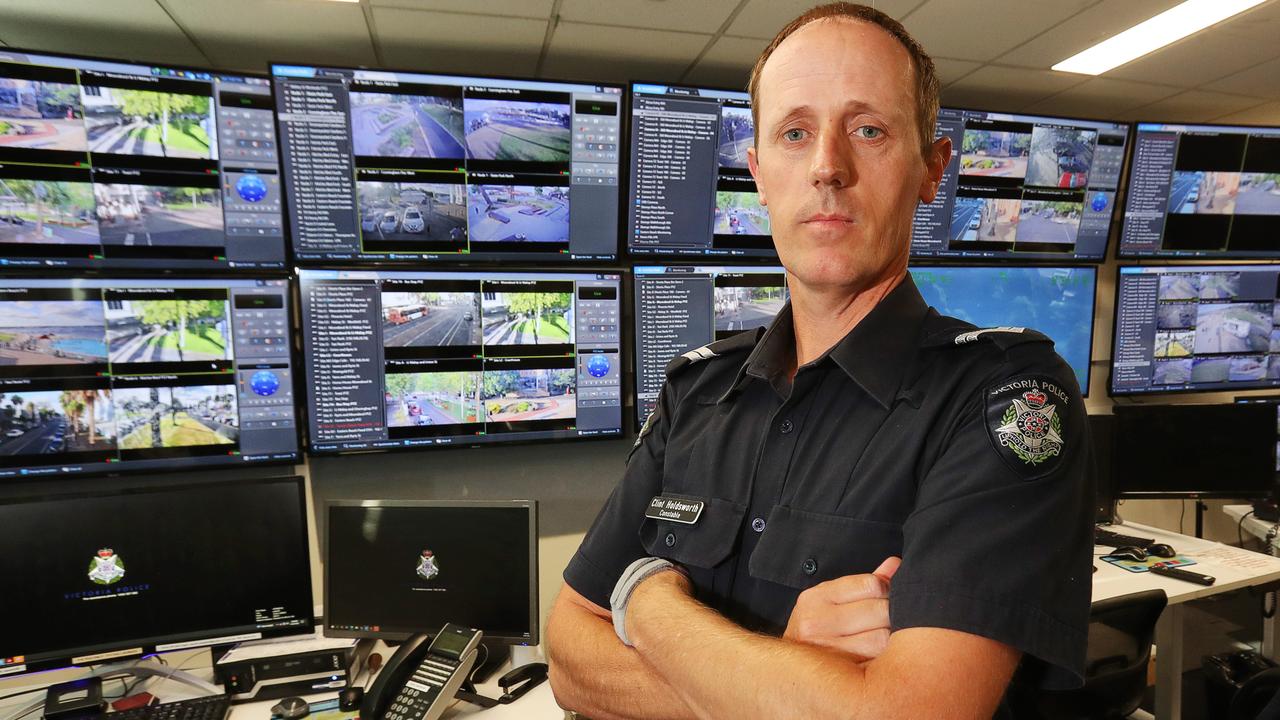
[635, 573]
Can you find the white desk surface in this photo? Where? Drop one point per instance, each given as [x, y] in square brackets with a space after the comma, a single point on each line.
[1252, 525]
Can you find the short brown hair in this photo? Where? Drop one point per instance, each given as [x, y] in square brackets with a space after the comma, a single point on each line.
[927, 85]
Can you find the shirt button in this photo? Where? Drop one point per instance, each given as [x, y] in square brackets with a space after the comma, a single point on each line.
[758, 524]
[786, 427]
[809, 566]
[670, 539]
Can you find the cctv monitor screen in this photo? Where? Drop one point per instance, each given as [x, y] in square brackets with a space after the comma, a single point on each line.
[395, 568]
[110, 164]
[112, 376]
[679, 308]
[418, 359]
[1187, 450]
[1057, 301]
[1271, 401]
[1196, 327]
[1022, 187]
[1209, 191]
[691, 192]
[114, 575]
[395, 167]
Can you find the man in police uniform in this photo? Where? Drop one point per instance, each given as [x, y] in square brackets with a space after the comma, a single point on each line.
[747, 565]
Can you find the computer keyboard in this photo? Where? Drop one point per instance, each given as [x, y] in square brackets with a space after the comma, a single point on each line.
[214, 707]
[1107, 538]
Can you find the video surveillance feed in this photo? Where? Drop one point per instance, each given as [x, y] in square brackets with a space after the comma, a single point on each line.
[106, 376]
[405, 167]
[115, 165]
[1023, 187]
[1189, 327]
[1208, 191]
[417, 359]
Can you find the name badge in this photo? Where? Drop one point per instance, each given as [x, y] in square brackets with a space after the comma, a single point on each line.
[675, 509]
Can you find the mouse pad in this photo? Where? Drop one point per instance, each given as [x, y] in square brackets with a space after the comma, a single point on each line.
[326, 710]
[1145, 565]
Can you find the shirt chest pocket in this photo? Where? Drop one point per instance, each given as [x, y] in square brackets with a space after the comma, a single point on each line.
[700, 546]
[800, 549]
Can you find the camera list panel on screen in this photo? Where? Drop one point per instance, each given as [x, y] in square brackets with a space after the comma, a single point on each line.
[102, 375]
[679, 308]
[1203, 191]
[412, 359]
[1057, 301]
[116, 165]
[1196, 327]
[391, 166]
[114, 575]
[691, 192]
[1027, 187]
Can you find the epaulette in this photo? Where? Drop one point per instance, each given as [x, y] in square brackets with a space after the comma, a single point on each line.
[1004, 337]
[741, 341]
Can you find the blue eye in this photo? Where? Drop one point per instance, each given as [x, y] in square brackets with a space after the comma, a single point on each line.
[794, 135]
[871, 132]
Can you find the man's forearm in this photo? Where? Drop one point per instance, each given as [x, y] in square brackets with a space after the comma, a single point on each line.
[593, 673]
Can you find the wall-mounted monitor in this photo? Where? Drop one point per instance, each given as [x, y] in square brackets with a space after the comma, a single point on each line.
[394, 167]
[1203, 191]
[1273, 401]
[114, 376]
[419, 359]
[1196, 327]
[1023, 187]
[109, 164]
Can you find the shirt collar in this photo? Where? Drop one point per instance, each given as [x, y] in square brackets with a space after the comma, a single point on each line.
[874, 354]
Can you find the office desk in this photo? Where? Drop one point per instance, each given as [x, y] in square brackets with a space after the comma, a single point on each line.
[1234, 568]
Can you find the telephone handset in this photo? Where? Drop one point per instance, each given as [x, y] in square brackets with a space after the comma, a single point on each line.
[421, 680]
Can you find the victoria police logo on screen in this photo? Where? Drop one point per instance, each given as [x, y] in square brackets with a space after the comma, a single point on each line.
[106, 568]
[1025, 417]
[428, 566]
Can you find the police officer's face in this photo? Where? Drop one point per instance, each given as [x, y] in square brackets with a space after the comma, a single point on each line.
[839, 160]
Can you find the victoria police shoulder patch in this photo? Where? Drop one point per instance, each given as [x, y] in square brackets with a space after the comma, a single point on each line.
[1027, 422]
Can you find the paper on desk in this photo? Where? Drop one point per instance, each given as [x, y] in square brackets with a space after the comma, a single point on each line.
[289, 646]
[1235, 557]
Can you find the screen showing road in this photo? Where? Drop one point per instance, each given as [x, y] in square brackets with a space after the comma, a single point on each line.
[679, 308]
[1196, 327]
[385, 166]
[1023, 187]
[1057, 301]
[414, 359]
[115, 165]
[1210, 191]
[691, 192]
[102, 375]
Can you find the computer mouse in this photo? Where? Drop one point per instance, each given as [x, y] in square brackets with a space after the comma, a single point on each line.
[291, 708]
[350, 698]
[1161, 550]
[1130, 552]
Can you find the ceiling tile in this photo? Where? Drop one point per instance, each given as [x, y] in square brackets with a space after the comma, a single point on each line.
[508, 8]
[252, 33]
[1083, 30]
[599, 52]
[702, 16]
[1268, 114]
[1201, 58]
[984, 31]
[1261, 23]
[134, 29]
[950, 70]
[1000, 88]
[764, 18]
[1103, 97]
[728, 63]
[1259, 81]
[463, 44]
[1194, 106]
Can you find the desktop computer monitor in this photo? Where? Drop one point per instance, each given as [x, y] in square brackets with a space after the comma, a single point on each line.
[113, 376]
[422, 359]
[1057, 301]
[99, 575]
[1022, 187]
[1270, 401]
[1183, 451]
[115, 164]
[682, 307]
[1203, 191]
[397, 167]
[1196, 328]
[396, 568]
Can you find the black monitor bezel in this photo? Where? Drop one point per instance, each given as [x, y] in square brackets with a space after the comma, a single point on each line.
[469, 260]
[1158, 258]
[143, 646]
[531, 507]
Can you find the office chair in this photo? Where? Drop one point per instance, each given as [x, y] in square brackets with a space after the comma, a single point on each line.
[1258, 698]
[1120, 633]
